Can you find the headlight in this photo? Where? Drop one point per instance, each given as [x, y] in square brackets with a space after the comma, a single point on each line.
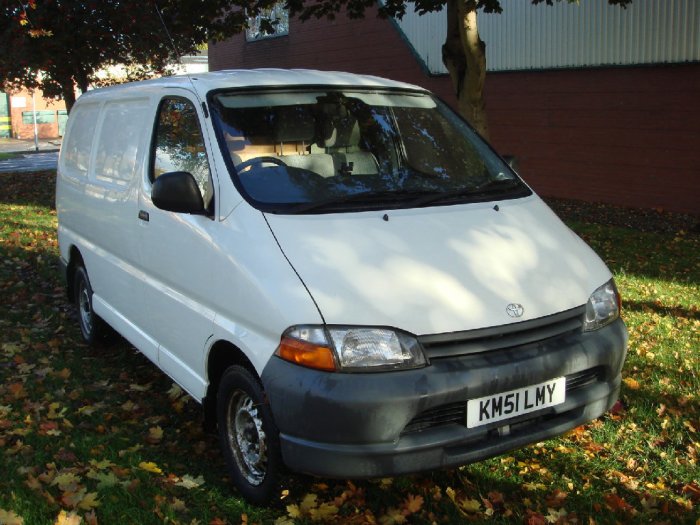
[603, 307]
[348, 348]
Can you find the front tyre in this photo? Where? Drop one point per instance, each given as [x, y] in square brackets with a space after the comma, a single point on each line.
[249, 437]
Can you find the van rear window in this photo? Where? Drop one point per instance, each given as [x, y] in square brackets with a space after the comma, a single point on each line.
[75, 155]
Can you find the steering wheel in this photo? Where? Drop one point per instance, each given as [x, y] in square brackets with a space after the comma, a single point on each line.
[259, 160]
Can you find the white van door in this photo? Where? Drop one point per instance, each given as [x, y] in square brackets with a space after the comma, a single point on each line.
[176, 248]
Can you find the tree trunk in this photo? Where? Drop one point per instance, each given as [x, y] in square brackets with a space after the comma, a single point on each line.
[464, 56]
[68, 89]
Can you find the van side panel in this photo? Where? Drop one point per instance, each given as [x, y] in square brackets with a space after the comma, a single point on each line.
[97, 199]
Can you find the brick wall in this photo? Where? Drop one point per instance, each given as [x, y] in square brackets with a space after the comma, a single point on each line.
[21, 101]
[626, 136]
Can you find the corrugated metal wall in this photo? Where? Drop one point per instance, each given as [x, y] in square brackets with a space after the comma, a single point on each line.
[591, 33]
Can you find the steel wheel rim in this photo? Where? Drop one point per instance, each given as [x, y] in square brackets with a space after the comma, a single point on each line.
[246, 437]
[85, 309]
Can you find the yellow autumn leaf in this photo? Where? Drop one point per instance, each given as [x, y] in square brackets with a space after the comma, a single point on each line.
[90, 501]
[155, 435]
[324, 512]
[465, 506]
[309, 502]
[68, 518]
[149, 466]
[533, 486]
[179, 506]
[101, 465]
[293, 511]
[284, 520]
[470, 505]
[175, 392]
[66, 481]
[10, 518]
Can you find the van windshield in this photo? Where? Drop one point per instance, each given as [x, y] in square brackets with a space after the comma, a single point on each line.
[327, 151]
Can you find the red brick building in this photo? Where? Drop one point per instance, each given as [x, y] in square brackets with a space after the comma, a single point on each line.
[17, 115]
[606, 120]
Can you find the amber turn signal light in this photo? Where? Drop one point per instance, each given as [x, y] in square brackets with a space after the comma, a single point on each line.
[306, 354]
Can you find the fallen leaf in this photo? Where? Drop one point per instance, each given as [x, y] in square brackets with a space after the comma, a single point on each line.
[178, 505]
[631, 383]
[149, 466]
[293, 511]
[66, 481]
[104, 479]
[89, 501]
[155, 435]
[392, 517]
[10, 518]
[91, 518]
[68, 518]
[413, 503]
[616, 503]
[323, 512]
[189, 482]
[308, 502]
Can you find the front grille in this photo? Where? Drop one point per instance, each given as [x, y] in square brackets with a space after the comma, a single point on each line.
[456, 413]
[442, 415]
[585, 378]
[471, 342]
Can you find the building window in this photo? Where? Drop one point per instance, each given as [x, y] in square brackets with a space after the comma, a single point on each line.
[42, 117]
[270, 23]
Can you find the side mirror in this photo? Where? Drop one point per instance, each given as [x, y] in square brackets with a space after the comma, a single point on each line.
[177, 191]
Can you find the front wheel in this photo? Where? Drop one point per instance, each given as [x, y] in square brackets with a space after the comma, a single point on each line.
[249, 436]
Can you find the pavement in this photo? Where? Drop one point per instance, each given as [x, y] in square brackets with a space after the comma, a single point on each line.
[25, 156]
[27, 146]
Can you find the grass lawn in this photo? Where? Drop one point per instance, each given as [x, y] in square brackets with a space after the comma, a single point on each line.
[101, 436]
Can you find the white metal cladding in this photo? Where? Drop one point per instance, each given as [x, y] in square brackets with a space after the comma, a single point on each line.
[591, 33]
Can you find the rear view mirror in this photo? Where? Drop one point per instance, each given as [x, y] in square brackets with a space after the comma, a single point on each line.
[177, 191]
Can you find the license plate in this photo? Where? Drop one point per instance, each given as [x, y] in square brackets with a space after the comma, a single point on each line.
[506, 405]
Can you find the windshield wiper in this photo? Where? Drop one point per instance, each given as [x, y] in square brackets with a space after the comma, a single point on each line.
[365, 197]
[485, 188]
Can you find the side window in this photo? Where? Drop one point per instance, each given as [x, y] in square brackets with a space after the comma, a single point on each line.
[117, 150]
[179, 145]
[78, 144]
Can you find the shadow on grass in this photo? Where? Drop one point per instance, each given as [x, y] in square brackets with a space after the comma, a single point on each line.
[692, 313]
[33, 188]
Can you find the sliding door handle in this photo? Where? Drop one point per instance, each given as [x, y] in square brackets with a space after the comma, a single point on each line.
[143, 215]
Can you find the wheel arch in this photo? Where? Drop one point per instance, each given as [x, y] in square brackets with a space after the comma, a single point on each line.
[75, 259]
[222, 355]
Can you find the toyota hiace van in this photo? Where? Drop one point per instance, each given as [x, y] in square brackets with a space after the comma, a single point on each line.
[346, 276]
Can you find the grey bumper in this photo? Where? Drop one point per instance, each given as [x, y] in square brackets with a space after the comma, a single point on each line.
[382, 424]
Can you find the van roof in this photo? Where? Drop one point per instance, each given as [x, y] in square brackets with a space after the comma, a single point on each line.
[268, 77]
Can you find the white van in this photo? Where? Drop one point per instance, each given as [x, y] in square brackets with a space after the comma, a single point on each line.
[337, 267]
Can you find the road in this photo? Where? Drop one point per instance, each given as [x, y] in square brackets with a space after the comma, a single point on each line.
[30, 162]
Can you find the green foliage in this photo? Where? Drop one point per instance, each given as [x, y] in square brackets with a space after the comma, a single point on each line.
[70, 41]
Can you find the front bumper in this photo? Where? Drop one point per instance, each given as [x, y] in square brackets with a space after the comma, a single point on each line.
[382, 424]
